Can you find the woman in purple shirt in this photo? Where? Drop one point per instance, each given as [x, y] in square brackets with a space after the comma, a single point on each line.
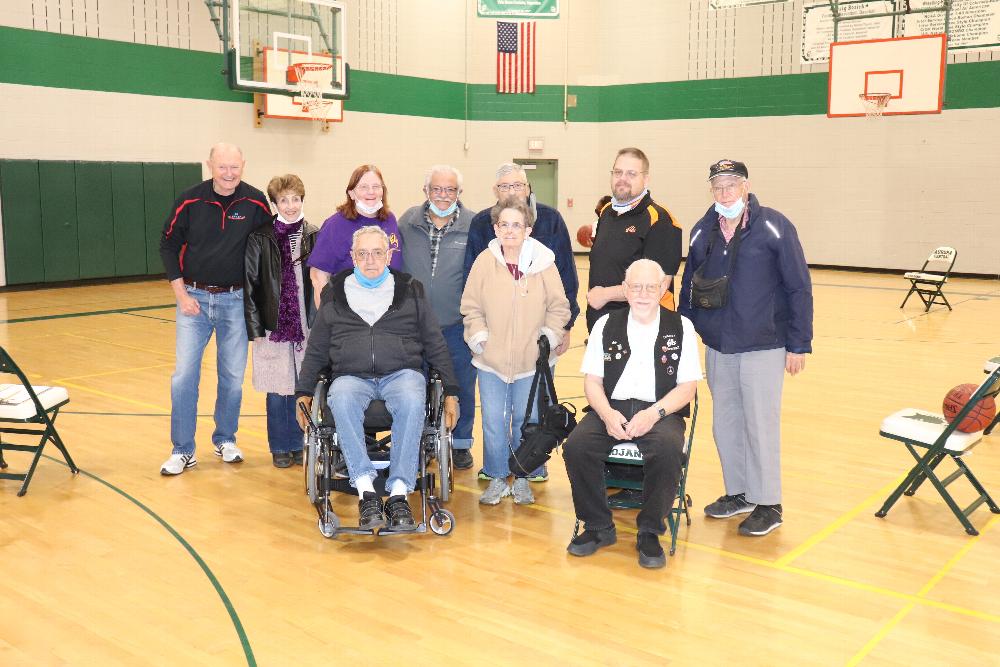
[367, 204]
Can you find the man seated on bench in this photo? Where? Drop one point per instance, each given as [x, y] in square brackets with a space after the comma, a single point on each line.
[641, 370]
[374, 330]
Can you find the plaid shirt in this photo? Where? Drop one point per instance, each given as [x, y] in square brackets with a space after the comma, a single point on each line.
[727, 231]
[437, 234]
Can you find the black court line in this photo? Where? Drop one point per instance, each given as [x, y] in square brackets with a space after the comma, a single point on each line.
[115, 311]
[150, 317]
[135, 414]
[244, 640]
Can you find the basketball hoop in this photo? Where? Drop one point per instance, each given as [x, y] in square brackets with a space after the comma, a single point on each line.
[305, 78]
[875, 103]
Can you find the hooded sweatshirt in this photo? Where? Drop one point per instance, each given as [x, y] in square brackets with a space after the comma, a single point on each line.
[504, 317]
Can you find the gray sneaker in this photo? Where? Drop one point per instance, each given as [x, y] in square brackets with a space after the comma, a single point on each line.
[728, 506]
[494, 492]
[522, 492]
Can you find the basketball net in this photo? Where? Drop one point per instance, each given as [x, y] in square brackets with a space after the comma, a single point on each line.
[309, 89]
[875, 103]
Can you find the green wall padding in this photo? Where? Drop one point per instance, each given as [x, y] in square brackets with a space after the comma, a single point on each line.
[128, 205]
[20, 199]
[158, 186]
[60, 242]
[95, 219]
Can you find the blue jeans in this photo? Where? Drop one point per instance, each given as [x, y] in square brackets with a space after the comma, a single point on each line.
[404, 393]
[223, 314]
[503, 408]
[283, 432]
[461, 360]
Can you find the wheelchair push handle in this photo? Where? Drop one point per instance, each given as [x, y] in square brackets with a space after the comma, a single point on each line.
[309, 419]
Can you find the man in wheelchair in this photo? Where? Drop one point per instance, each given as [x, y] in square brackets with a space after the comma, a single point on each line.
[641, 370]
[373, 332]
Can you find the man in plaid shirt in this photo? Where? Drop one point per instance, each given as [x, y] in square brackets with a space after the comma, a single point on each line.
[434, 237]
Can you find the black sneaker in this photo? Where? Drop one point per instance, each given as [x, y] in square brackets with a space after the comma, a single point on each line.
[764, 519]
[282, 459]
[399, 514]
[296, 457]
[370, 511]
[650, 552]
[728, 506]
[461, 459]
[589, 541]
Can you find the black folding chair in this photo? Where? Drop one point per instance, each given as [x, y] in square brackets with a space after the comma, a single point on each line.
[623, 470]
[22, 403]
[940, 440]
[928, 281]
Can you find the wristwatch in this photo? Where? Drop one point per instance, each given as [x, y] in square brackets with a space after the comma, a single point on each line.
[663, 413]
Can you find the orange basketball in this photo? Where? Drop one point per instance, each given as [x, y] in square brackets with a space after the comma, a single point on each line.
[979, 416]
[584, 236]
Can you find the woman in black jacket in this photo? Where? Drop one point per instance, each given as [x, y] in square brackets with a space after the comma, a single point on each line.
[278, 306]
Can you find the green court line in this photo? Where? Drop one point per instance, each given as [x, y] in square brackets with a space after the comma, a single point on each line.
[116, 311]
[244, 640]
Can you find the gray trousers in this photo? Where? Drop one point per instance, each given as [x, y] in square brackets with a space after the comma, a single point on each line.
[746, 420]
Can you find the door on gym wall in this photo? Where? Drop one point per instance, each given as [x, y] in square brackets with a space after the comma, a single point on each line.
[542, 174]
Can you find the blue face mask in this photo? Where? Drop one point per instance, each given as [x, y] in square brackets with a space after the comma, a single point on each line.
[370, 283]
[442, 213]
[730, 212]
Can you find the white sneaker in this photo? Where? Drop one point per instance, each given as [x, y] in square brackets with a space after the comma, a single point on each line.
[521, 491]
[229, 452]
[494, 492]
[178, 463]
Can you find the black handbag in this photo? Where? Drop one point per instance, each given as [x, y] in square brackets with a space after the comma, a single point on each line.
[713, 293]
[555, 420]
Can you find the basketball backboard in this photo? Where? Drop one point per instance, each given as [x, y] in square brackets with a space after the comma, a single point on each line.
[909, 69]
[267, 37]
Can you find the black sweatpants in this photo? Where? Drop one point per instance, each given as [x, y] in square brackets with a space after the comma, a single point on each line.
[662, 450]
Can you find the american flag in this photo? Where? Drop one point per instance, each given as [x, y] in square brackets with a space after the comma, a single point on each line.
[515, 57]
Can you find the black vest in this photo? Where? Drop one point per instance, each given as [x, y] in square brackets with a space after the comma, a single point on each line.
[666, 354]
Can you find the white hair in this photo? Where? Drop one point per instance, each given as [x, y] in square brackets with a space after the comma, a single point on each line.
[224, 146]
[369, 229]
[510, 168]
[442, 169]
[640, 263]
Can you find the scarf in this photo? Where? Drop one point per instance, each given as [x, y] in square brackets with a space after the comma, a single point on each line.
[289, 328]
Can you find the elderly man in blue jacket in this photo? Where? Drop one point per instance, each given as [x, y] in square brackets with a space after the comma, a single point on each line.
[746, 288]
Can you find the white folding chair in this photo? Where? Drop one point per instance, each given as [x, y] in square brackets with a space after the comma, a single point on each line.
[930, 279]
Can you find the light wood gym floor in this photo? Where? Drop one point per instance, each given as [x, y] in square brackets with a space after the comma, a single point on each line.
[224, 565]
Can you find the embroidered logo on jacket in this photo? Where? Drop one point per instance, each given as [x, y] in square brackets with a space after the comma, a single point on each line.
[237, 216]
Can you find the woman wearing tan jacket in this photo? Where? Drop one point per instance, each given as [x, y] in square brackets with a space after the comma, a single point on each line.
[513, 295]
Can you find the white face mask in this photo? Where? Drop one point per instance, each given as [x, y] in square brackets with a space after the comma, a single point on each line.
[281, 218]
[732, 211]
[623, 206]
[368, 211]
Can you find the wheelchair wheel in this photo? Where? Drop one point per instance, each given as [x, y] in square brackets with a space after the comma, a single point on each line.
[446, 470]
[442, 522]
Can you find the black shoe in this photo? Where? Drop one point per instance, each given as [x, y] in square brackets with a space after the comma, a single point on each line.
[461, 459]
[589, 541]
[370, 512]
[650, 552]
[399, 514]
[625, 499]
[296, 457]
[728, 506]
[282, 459]
[762, 521]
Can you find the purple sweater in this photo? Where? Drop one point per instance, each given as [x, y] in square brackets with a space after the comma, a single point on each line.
[332, 252]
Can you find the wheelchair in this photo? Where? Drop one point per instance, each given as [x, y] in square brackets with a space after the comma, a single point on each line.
[323, 460]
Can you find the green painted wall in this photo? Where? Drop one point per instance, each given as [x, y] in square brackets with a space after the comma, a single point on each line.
[66, 61]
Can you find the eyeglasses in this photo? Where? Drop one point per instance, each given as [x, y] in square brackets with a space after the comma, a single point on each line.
[653, 288]
[510, 226]
[511, 187]
[373, 254]
[729, 187]
[451, 192]
[618, 173]
[369, 188]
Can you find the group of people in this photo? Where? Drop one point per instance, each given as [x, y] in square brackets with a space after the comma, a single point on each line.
[375, 302]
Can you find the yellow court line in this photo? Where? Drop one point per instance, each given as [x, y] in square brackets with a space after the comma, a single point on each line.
[105, 373]
[154, 406]
[911, 598]
[889, 625]
[839, 522]
[117, 344]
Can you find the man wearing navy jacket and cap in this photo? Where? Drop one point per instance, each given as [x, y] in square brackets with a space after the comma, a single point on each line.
[762, 330]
